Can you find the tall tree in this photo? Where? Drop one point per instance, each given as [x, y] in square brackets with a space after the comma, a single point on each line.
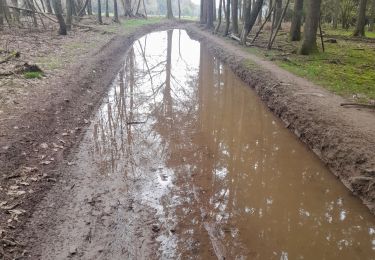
[169, 10]
[69, 13]
[16, 12]
[372, 17]
[311, 25]
[106, 9]
[100, 21]
[219, 16]
[89, 7]
[59, 15]
[210, 13]
[227, 18]
[279, 10]
[361, 19]
[48, 6]
[235, 16]
[115, 10]
[251, 19]
[295, 28]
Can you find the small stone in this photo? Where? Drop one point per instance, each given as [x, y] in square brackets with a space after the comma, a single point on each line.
[155, 228]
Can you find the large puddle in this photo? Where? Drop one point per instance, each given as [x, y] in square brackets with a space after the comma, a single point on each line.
[225, 177]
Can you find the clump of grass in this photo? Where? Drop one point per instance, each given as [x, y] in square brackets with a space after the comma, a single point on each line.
[33, 75]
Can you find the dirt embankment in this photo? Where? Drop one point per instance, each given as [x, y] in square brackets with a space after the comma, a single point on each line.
[35, 143]
[343, 138]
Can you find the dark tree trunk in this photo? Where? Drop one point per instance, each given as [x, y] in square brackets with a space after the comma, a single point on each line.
[295, 28]
[372, 17]
[279, 10]
[311, 25]
[214, 10]
[227, 19]
[250, 21]
[58, 12]
[1, 14]
[106, 9]
[69, 14]
[179, 10]
[169, 10]
[235, 16]
[48, 6]
[100, 12]
[89, 7]
[210, 13]
[361, 19]
[115, 10]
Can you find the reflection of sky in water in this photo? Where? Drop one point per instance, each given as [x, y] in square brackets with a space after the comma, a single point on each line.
[218, 164]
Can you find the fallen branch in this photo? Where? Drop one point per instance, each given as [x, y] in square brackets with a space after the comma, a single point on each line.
[358, 104]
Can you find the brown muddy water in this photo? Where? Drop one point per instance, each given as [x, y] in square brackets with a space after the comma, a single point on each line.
[180, 134]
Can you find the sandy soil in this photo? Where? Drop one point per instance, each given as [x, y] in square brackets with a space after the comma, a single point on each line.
[36, 141]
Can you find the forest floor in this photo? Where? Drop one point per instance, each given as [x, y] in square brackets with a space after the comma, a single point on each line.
[43, 114]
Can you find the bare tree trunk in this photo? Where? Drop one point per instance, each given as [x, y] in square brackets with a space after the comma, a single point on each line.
[214, 10]
[2, 14]
[100, 12]
[250, 21]
[279, 10]
[260, 15]
[179, 10]
[227, 19]
[89, 7]
[169, 10]
[115, 10]
[295, 28]
[48, 6]
[372, 17]
[311, 26]
[361, 19]
[16, 12]
[219, 16]
[210, 13]
[106, 9]
[58, 12]
[69, 13]
[235, 16]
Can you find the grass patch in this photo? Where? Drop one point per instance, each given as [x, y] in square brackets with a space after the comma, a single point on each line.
[346, 33]
[345, 68]
[33, 75]
[132, 24]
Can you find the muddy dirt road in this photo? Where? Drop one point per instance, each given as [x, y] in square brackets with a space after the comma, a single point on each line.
[183, 161]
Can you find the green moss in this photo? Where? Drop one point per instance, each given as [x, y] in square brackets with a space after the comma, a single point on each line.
[33, 75]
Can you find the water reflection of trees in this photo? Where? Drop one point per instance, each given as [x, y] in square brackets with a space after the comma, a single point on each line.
[245, 186]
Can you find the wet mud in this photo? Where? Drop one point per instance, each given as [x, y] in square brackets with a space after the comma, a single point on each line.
[183, 161]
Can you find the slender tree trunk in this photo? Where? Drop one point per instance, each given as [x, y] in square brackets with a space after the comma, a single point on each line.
[279, 10]
[372, 17]
[106, 9]
[100, 21]
[169, 10]
[235, 16]
[48, 6]
[2, 14]
[361, 19]
[219, 16]
[16, 12]
[115, 10]
[227, 19]
[251, 20]
[311, 25]
[89, 7]
[69, 13]
[260, 15]
[214, 10]
[295, 28]
[179, 10]
[58, 12]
